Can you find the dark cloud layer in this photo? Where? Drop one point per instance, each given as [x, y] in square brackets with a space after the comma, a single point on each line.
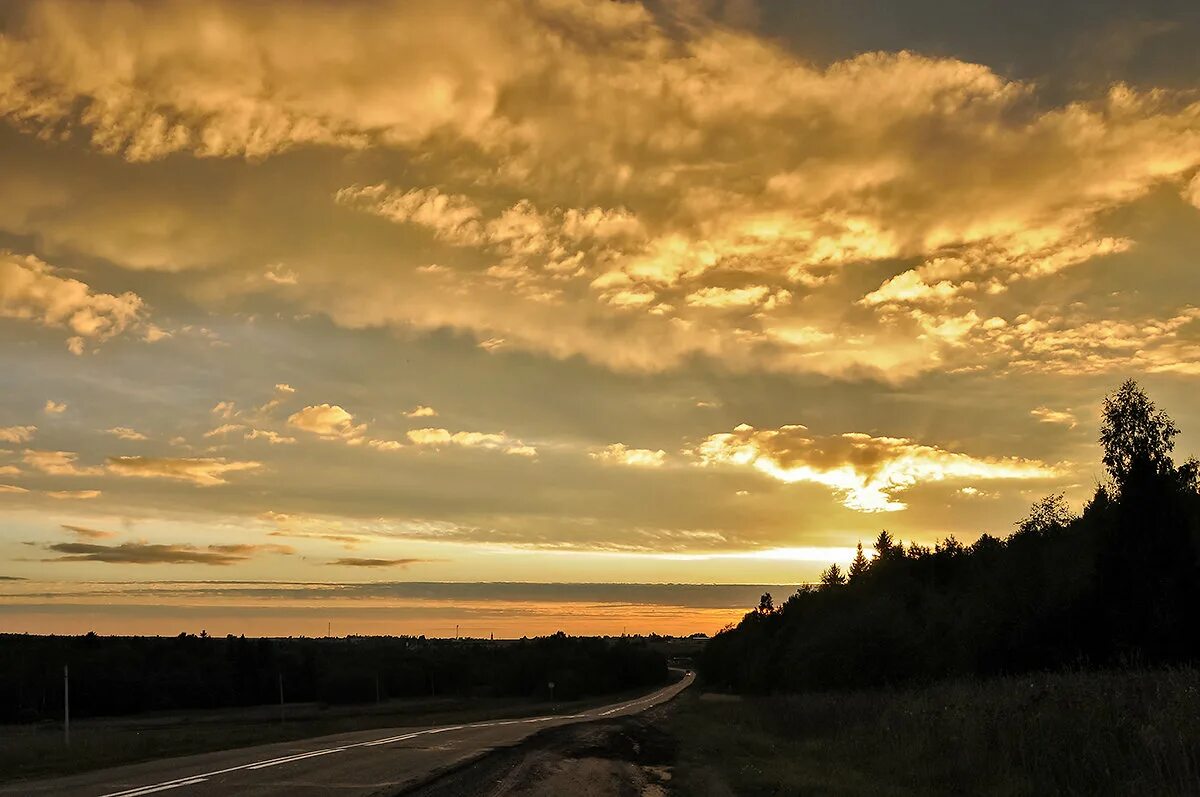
[150, 553]
[354, 561]
[89, 533]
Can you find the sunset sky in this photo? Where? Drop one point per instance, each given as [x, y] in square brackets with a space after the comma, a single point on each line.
[306, 305]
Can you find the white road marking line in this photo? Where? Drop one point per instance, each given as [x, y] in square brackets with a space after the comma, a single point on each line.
[648, 701]
[413, 735]
[151, 789]
[194, 779]
[256, 763]
[390, 739]
[615, 709]
[290, 759]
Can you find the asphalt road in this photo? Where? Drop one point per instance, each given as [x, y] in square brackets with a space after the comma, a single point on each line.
[377, 762]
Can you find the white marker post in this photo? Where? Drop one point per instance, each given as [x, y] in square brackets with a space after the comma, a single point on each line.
[66, 705]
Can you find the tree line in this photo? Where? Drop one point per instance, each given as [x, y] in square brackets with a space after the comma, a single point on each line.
[126, 675]
[1118, 583]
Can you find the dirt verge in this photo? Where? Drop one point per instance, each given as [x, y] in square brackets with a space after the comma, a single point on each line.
[628, 757]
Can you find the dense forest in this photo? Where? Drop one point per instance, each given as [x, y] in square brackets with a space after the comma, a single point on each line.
[1117, 584]
[126, 675]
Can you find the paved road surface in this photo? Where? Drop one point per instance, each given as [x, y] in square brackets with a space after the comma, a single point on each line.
[377, 762]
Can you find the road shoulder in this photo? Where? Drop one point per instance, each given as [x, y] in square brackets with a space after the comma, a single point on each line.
[632, 755]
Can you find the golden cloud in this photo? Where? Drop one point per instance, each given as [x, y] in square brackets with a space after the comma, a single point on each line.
[225, 409]
[58, 463]
[17, 434]
[827, 166]
[201, 471]
[1070, 343]
[498, 441]
[451, 217]
[125, 433]
[1047, 415]
[988, 269]
[281, 275]
[1192, 192]
[327, 420]
[303, 527]
[31, 290]
[274, 438]
[749, 296]
[790, 238]
[620, 454]
[347, 541]
[73, 495]
[867, 471]
[558, 240]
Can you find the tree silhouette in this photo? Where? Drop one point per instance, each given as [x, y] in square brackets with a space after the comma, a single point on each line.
[1134, 433]
[833, 577]
[860, 563]
[886, 547]
[1119, 582]
[949, 547]
[126, 675]
[1047, 515]
[766, 604]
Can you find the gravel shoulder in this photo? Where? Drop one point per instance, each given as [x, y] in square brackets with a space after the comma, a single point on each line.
[629, 757]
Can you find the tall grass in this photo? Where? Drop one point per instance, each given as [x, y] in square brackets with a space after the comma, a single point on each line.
[1085, 733]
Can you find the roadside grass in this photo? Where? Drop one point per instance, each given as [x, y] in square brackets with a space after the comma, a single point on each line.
[28, 751]
[1075, 733]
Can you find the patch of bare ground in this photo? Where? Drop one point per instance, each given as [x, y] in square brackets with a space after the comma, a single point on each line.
[629, 757]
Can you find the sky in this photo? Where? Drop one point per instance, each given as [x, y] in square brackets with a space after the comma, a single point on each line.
[533, 315]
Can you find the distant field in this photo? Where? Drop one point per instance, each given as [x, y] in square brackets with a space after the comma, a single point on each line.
[36, 750]
[1072, 733]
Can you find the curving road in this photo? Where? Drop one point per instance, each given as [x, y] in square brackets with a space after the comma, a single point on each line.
[377, 762]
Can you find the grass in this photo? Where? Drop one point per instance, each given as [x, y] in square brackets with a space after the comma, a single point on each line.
[1098, 733]
[38, 750]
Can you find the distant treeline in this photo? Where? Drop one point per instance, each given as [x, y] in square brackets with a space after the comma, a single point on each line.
[126, 675]
[1119, 583]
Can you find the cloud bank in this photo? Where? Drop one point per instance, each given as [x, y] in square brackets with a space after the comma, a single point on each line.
[587, 192]
[866, 471]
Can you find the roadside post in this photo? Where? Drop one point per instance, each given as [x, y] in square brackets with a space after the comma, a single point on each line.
[67, 705]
